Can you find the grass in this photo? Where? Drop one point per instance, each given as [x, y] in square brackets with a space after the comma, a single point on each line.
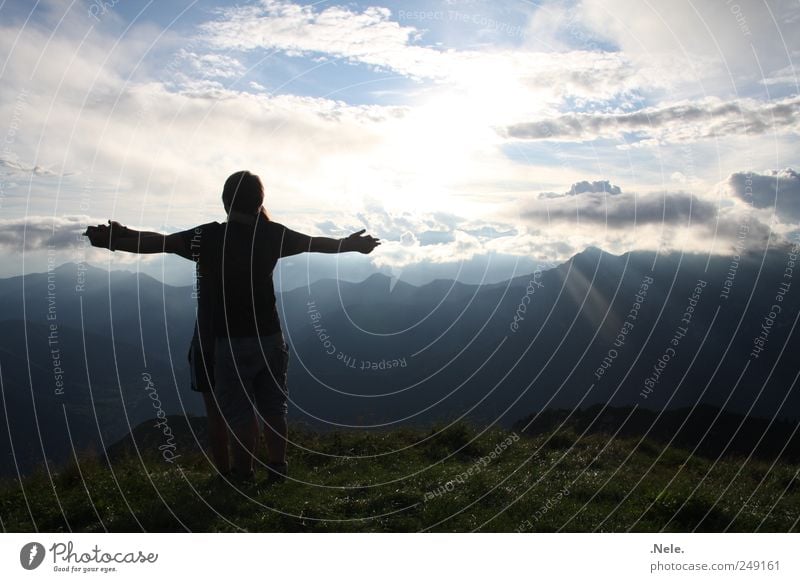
[420, 480]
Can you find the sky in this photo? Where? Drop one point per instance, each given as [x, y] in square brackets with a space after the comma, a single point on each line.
[478, 139]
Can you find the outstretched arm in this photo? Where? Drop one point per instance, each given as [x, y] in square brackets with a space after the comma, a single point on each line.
[353, 243]
[115, 237]
[293, 243]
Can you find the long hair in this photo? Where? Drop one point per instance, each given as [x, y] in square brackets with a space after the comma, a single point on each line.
[244, 192]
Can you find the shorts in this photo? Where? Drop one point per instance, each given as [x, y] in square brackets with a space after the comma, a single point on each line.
[251, 372]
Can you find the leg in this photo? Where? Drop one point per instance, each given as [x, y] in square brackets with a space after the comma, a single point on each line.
[276, 432]
[232, 380]
[217, 433]
[271, 396]
[244, 446]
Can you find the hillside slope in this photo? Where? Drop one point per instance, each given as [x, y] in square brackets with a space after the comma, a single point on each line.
[408, 480]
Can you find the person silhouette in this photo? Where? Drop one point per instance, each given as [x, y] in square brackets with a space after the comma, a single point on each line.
[238, 356]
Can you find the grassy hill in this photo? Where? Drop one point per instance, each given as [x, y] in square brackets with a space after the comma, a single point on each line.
[458, 479]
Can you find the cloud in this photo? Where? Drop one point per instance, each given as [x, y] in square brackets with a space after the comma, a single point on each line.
[431, 238]
[149, 125]
[16, 168]
[624, 210]
[603, 186]
[720, 46]
[584, 186]
[692, 222]
[488, 231]
[43, 232]
[156, 152]
[435, 237]
[368, 36]
[777, 189]
[675, 123]
[329, 228]
[212, 65]
[784, 76]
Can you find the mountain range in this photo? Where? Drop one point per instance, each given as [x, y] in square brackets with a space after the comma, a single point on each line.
[87, 354]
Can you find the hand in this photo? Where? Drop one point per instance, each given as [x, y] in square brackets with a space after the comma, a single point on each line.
[362, 244]
[99, 236]
[105, 235]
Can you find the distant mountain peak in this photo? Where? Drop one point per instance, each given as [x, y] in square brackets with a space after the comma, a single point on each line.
[72, 267]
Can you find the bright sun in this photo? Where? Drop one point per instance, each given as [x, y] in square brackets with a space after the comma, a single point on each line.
[449, 141]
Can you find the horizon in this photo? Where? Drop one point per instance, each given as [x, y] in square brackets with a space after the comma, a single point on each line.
[185, 277]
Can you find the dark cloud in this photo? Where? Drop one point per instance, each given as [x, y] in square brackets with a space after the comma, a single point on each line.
[750, 233]
[594, 187]
[779, 189]
[583, 187]
[626, 210]
[679, 122]
[42, 232]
